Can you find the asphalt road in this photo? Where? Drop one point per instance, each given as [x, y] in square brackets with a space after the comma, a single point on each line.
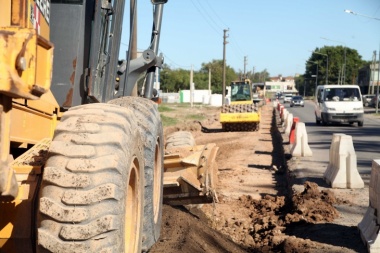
[366, 139]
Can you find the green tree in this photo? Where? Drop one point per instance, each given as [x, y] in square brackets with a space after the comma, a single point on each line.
[259, 77]
[216, 67]
[343, 64]
[174, 80]
[305, 85]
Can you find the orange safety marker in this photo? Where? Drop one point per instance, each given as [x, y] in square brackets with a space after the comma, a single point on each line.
[292, 135]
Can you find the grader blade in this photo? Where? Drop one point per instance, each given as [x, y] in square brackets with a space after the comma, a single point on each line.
[190, 175]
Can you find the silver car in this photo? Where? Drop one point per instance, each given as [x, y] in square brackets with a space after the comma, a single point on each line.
[367, 99]
[297, 101]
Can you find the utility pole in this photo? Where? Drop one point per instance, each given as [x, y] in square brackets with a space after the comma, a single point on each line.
[209, 81]
[372, 77]
[191, 87]
[304, 87]
[377, 83]
[316, 80]
[245, 64]
[378, 80]
[225, 36]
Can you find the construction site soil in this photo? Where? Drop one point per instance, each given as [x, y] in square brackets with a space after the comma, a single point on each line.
[256, 209]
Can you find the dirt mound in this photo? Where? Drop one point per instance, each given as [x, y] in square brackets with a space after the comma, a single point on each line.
[313, 205]
[263, 228]
[188, 126]
[184, 232]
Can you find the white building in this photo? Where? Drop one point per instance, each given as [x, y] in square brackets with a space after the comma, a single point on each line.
[280, 84]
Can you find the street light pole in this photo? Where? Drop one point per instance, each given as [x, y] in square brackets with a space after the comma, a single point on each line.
[358, 14]
[304, 87]
[344, 65]
[225, 36]
[327, 66]
[316, 79]
[316, 74]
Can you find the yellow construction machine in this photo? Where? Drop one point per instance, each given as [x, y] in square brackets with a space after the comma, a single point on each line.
[81, 158]
[240, 113]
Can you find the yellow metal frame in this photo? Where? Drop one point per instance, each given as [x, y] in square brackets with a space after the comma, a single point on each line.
[246, 117]
[26, 63]
[16, 216]
[28, 114]
[33, 120]
[241, 102]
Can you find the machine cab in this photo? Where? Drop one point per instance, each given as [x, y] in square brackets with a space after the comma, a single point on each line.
[241, 92]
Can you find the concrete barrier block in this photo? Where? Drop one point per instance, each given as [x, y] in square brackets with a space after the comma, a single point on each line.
[369, 226]
[282, 108]
[374, 194]
[373, 191]
[369, 230]
[342, 170]
[301, 146]
[284, 115]
[289, 123]
[347, 153]
[330, 172]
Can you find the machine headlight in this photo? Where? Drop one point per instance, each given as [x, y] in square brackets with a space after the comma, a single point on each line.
[331, 109]
[358, 109]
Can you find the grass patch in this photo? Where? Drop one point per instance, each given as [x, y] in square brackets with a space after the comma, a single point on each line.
[168, 121]
[172, 114]
[195, 117]
[183, 105]
[164, 108]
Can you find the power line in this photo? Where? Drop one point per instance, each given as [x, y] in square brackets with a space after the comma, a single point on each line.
[208, 15]
[238, 46]
[216, 14]
[174, 63]
[235, 45]
[216, 30]
[238, 53]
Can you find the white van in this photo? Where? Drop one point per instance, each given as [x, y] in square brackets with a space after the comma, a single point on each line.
[339, 104]
[288, 98]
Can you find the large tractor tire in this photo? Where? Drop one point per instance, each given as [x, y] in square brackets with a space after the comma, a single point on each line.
[150, 127]
[179, 139]
[91, 197]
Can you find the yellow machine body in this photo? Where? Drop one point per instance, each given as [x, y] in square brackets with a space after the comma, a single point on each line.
[241, 113]
[28, 115]
[241, 117]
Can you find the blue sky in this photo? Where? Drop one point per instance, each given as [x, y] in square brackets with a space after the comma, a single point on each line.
[276, 35]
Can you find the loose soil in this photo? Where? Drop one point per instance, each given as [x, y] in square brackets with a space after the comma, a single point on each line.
[257, 210]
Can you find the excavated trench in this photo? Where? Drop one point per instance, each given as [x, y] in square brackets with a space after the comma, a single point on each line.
[273, 216]
[277, 218]
[279, 221]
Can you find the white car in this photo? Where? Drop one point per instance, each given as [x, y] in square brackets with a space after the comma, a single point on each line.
[287, 98]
